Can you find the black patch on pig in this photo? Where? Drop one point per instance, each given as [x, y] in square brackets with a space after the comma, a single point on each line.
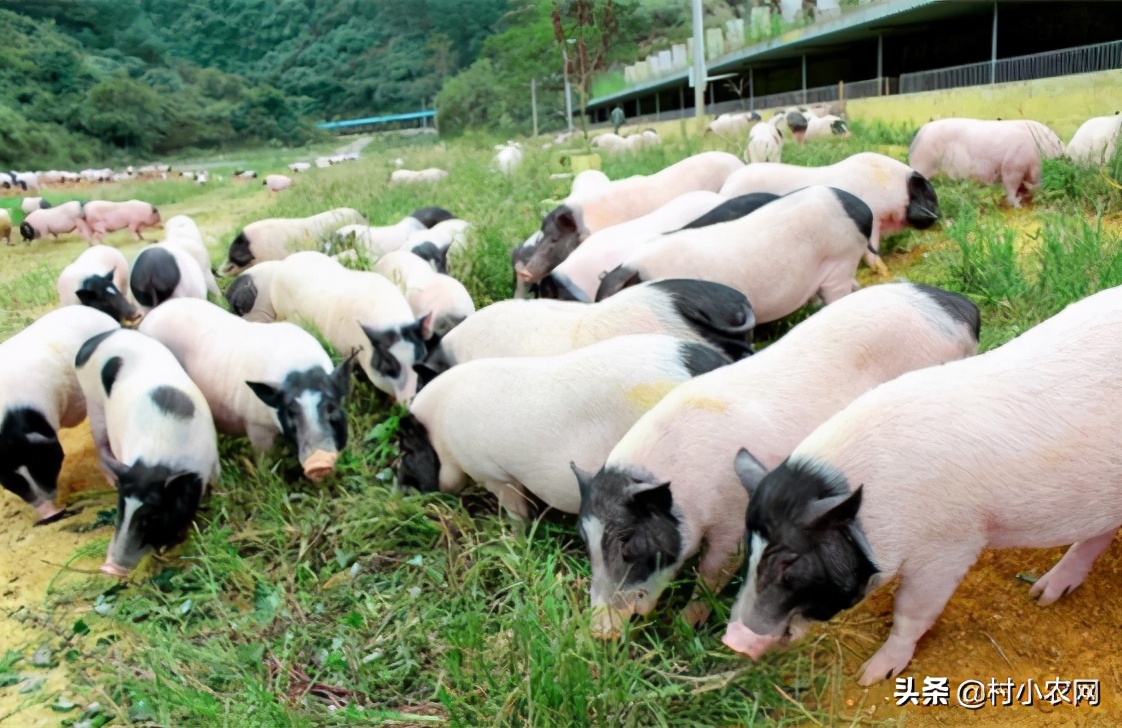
[958, 307]
[559, 287]
[26, 230]
[815, 563]
[109, 372]
[420, 465]
[173, 402]
[701, 358]
[381, 340]
[43, 459]
[796, 121]
[754, 116]
[86, 350]
[169, 501]
[838, 127]
[333, 388]
[240, 253]
[923, 203]
[95, 293]
[155, 274]
[44, 204]
[433, 254]
[732, 209]
[436, 362]
[242, 294]
[641, 532]
[616, 280]
[429, 216]
[856, 210]
[719, 313]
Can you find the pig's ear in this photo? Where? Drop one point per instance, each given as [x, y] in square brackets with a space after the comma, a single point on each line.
[584, 481]
[341, 377]
[650, 498]
[833, 512]
[86, 297]
[270, 394]
[750, 471]
[108, 277]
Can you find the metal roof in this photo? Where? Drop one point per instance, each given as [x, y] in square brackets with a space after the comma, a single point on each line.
[857, 24]
[430, 113]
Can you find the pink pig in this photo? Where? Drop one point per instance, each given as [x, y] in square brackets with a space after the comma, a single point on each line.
[1015, 448]
[986, 151]
[101, 216]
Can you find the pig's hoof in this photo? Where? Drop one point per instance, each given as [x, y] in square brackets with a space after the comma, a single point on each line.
[884, 665]
[881, 269]
[1055, 585]
[55, 517]
[696, 613]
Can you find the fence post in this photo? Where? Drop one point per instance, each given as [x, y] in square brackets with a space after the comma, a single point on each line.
[698, 60]
[880, 60]
[841, 91]
[804, 79]
[993, 48]
[751, 91]
[534, 102]
[658, 109]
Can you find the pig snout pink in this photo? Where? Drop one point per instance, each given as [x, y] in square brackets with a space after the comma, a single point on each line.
[319, 465]
[523, 274]
[115, 570]
[739, 638]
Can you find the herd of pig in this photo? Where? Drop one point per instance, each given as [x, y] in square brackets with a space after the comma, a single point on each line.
[869, 443]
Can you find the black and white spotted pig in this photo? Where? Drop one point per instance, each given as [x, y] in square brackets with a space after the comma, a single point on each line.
[155, 436]
[260, 380]
[39, 394]
[99, 278]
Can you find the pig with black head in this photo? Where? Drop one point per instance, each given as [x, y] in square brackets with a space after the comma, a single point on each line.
[99, 278]
[155, 437]
[668, 487]
[39, 394]
[1015, 448]
[260, 380]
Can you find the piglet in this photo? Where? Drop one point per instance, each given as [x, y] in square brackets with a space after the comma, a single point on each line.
[99, 278]
[1015, 448]
[260, 380]
[155, 436]
[39, 393]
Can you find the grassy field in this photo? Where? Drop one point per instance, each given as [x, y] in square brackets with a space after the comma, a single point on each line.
[348, 603]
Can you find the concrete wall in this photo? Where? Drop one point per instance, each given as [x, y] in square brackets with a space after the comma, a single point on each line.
[1062, 103]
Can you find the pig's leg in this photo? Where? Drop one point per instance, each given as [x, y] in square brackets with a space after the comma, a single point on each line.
[873, 259]
[512, 499]
[100, 433]
[838, 286]
[136, 232]
[1011, 179]
[721, 561]
[924, 590]
[1071, 570]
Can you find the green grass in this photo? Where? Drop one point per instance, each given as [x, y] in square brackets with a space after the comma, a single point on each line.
[348, 603]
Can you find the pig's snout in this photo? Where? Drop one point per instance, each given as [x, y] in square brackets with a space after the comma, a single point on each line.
[523, 273]
[116, 570]
[133, 320]
[739, 638]
[607, 622]
[319, 465]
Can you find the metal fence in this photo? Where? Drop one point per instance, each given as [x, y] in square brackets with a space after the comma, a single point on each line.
[1085, 59]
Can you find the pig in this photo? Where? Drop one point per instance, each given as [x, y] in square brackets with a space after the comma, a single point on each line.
[803, 246]
[182, 232]
[101, 216]
[461, 426]
[245, 174]
[692, 310]
[609, 142]
[435, 256]
[354, 310]
[1019, 450]
[449, 235]
[1096, 141]
[524, 289]
[260, 380]
[431, 216]
[731, 125]
[299, 167]
[376, 241]
[202, 177]
[31, 204]
[573, 221]
[898, 195]
[162, 272]
[798, 122]
[155, 438]
[1047, 141]
[406, 176]
[589, 181]
[53, 221]
[276, 238]
[987, 151]
[508, 158]
[99, 278]
[6, 226]
[668, 487]
[427, 291]
[39, 394]
[765, 144]
[821, 127]
[578, 276]
[277, 182]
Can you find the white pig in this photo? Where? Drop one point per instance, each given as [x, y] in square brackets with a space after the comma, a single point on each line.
[803, 246]
[987, 151]
[408, 176]
[670, 480]
[260, 380]
[426, 290]
[765, 144]
[182, 232]
[39, 394]
[277, 182]
[572, 222]
[558, 409]
[155, 437]
[162, 272]
[99, 278]
[1015, 448]
[1095, 141]
[278, 237]
[898, 195]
